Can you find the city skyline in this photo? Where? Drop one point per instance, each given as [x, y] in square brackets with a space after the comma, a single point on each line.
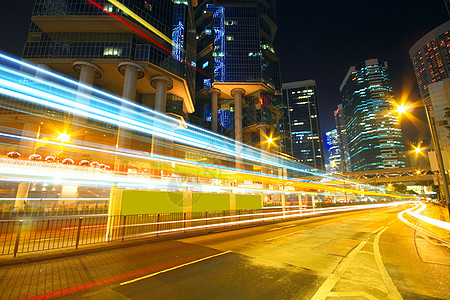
[303, 43]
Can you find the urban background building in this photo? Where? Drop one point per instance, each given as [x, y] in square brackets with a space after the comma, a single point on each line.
[334, 153]
[300, 101]
[372, 125]
[143, 52]
[342, 139]
[238, 86]
[431, 60]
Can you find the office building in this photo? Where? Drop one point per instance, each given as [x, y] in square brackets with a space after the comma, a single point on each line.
[143, 52]
[300, 100]
[333, 151]
[372, 125]
[431, 60]
[342, 139]
[239, 77]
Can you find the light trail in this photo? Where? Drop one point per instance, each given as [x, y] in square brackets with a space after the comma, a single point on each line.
[251, 221]
[425, 219]
[105, 111]
[434, 222]
[251, 153]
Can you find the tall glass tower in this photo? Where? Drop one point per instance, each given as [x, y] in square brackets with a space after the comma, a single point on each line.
[300, 99]
[372, 125]
[239, 75]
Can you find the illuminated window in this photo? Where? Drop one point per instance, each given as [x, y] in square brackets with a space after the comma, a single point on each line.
[205, 64]
[112, 52]
[230, 38]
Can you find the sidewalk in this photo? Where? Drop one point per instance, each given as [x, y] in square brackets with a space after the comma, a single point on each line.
[437, 212]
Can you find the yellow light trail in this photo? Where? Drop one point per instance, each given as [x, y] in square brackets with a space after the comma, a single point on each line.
[141, 21]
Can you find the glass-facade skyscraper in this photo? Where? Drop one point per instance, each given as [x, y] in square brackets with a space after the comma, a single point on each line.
[300, 100]
[334, 152]
[372, 125]
[235, 53]
[339, 118]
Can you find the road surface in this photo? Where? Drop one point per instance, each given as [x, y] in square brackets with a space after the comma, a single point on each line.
[367, 254]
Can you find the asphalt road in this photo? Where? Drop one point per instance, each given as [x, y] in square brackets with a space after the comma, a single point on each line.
[365, 254]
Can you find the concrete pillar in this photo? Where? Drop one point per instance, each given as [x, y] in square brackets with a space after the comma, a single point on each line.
[131, 72]
[22, 195]
[87, 73]
[238, 93]
[187, 201]
[162, 85]
[313, 201]
[283, 203]
[29, 130]
[40, 74]
[114, 213]
[215, 94]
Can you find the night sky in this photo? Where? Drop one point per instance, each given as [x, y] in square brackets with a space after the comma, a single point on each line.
[317, 40]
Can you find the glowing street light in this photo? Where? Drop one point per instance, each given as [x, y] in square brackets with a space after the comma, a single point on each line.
[401, 109]
[435, 137]
[63, 137]
[418, 150]
[270, 140]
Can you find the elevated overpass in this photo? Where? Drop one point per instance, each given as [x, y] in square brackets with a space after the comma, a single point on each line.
[399, 175]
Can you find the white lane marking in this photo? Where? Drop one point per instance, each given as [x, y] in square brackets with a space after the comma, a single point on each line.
[392, 289]
[327, 286]
[173, 268]
[280, 236]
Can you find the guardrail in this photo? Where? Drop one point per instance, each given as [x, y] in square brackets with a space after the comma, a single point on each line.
[32, 235]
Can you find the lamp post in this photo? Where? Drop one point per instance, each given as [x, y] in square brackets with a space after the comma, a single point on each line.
[434, 136]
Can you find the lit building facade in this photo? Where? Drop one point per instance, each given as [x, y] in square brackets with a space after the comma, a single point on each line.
[339, 118]
[334, 152]
[139, 51]
[300, 100]
[372, 126]
[238, 85]
[431, 60]
[74, 37]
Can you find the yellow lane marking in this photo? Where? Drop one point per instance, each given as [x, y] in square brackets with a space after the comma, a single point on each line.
[280, 236]
[173, 268]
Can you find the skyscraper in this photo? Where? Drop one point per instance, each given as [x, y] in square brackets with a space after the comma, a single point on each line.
[239, 75]
[431, 58]
[300, 100]
[371, 123]
[342, 139]
[334, 152]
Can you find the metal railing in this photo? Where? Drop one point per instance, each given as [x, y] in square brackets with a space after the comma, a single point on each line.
[40, 234]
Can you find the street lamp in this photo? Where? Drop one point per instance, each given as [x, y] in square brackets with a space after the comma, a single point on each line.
[401, 109]
[63, 137]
